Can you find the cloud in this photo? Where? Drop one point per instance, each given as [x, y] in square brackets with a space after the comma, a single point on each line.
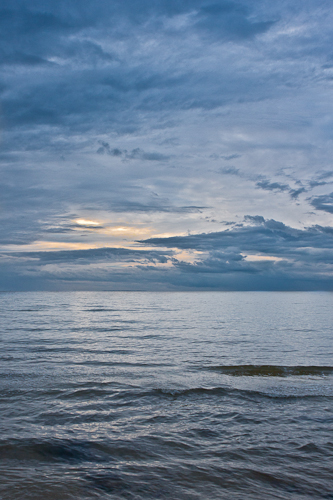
[255, 219]
[268, 237]
[280, 187]
[277, 256]
[95, 255]
[230, 171]
[15, 58]
[135, 154]
[139, 154]
[120, 111]
[229, 20]
[272, 186]
[231, 157]
[218, 263]
[323, 202]
[85, 75]
[263, 255]
[321, 179]
[105, 148]
[294, 193]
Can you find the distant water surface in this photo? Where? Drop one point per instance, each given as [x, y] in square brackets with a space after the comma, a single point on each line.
[136, 395]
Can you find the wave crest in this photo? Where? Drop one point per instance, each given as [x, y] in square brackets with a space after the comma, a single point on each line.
[272, 370]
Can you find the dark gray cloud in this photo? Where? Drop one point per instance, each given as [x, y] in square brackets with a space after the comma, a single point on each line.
[134, 154]
[272, 186]
[255, 219]
[96, 255]
[230, 171]
[264, 237]
[297, 259]
[229, 20]
[323, 202]
[294, 193]
[219, 263]
[278, 186]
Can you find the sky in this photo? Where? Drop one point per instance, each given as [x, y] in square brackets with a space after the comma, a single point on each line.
[166, 145]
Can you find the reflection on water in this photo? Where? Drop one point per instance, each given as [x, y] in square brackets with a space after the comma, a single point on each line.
[168, 395]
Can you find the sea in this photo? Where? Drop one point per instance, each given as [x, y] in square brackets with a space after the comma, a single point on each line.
[166, 395]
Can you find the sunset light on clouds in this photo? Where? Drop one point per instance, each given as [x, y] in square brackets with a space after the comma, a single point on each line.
[148, 130]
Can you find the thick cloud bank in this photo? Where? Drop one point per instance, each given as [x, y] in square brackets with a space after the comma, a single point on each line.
[262, 255]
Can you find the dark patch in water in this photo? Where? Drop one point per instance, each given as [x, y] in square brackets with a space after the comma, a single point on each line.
[64, 451]
[206, 433]
[110, 483]
[271, 370]
[140, 487]
[310, 448]
[57, 450]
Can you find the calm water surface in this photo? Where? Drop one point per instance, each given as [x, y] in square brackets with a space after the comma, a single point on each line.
[166, 395]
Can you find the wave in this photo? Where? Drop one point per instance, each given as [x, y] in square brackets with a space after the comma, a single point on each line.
[219, 391]
[72, 451]
[102, 309]
[271, 370]
[96, 362]
[227, 392]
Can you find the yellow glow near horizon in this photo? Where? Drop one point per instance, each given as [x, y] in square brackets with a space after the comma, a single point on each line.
[127, 231]
[116, 231]
[46, 246]
[257, 258]
[86, 222]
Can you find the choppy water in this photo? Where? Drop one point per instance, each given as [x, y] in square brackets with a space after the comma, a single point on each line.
[166, 396]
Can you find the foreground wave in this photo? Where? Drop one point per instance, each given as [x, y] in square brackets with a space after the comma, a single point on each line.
[272, 370]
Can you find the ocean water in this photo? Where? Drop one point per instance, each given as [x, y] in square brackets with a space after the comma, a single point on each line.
[130, 395]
